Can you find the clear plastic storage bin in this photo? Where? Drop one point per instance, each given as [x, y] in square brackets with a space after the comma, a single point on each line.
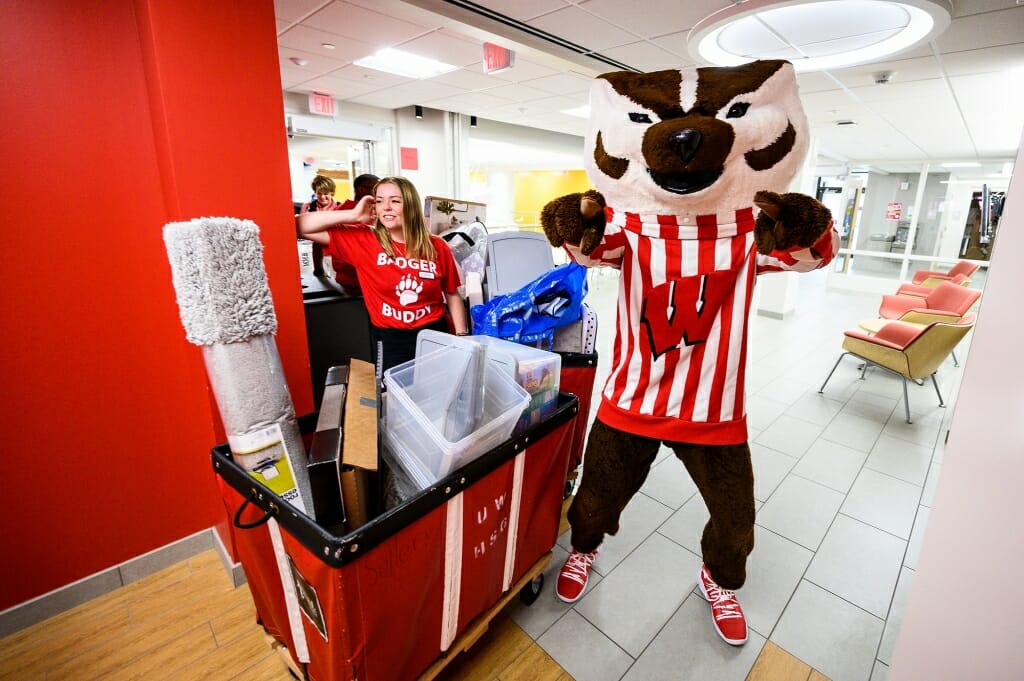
[449, 391]
[537, 371]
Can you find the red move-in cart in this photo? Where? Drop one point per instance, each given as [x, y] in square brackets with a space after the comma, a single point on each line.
[398, 597]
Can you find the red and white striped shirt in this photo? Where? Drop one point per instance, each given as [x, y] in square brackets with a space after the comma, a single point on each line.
[679, 357]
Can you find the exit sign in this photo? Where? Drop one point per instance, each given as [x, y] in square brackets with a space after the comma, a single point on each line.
[321, 104]
[497, 58]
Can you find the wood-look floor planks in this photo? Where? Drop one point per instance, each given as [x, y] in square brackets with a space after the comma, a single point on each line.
[187, 623]
[775, 664]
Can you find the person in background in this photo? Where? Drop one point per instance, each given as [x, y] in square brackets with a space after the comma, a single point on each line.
[323, 195]
[324, 188]
[409, 277]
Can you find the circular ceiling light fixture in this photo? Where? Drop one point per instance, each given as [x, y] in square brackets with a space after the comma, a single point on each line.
[816, 35]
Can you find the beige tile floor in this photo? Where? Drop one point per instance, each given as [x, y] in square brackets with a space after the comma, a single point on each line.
[843, 489]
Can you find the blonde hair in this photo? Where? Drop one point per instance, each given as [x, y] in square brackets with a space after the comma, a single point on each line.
[414, 228]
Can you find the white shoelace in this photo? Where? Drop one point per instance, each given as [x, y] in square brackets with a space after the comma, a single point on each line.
[724, 605]
[578, 565]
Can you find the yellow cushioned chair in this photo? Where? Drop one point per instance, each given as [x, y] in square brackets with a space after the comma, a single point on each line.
[907, 350]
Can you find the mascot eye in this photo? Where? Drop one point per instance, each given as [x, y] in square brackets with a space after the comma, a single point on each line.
[738, 110]
[639, 118]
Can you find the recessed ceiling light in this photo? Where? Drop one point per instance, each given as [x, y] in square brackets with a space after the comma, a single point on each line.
[327, 46]
[298, 61]
[815, 35]
[578, 112]
[405, 64]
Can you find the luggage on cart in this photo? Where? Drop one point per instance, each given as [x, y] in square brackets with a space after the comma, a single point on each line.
[399, 596]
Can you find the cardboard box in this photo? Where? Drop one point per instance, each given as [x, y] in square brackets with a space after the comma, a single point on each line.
[359, 445]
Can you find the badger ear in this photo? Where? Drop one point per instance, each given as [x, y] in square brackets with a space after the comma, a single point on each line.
[611, 166]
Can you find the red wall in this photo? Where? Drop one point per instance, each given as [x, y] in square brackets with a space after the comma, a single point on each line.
[119, 117]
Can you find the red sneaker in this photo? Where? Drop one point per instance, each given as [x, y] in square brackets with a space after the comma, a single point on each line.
[574, 575]
[725, 609]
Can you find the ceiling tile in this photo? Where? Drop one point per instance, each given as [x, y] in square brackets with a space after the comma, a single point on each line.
[646, 56]
[903, 71]
[901, 94]
[983, 30]
[555, 104]
[445, 48]
[561, 83]
[290, 11]
[1000, 134]
[987, 60]
[517, 92]
[362, 74]
[311, 41]
[366, 25]
[316, 66]
[470, 78]
[652, 17]
[816, 81]
[404, 95]
[341, 88]
[476, 101]
[676, 44]
[583, 29]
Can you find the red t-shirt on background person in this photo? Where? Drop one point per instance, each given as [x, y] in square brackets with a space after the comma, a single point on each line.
[344, 273]
[398, 293]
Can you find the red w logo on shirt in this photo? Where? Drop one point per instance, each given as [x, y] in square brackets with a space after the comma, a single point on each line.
[682, 311]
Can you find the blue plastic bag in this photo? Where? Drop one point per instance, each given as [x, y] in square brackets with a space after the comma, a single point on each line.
[531, 314]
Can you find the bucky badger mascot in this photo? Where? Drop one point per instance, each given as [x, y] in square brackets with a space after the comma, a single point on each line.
[688, 165]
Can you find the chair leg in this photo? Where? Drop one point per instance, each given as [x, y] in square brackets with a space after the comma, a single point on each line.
[834, 367]
[906, 400]
[936, 384]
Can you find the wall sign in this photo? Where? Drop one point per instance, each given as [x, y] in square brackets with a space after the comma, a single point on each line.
[322, 105]
[410, 158]
[497, 58]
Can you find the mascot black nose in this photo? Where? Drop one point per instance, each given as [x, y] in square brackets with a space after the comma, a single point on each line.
[686, 142]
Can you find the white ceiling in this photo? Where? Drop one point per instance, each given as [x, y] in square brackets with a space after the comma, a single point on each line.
[957, 97]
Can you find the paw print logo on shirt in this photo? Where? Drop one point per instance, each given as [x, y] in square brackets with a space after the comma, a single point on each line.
[408, 290]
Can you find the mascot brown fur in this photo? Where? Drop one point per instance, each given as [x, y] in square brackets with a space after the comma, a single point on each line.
[689, 166]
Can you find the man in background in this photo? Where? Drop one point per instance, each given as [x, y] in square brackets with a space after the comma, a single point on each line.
[344, 273]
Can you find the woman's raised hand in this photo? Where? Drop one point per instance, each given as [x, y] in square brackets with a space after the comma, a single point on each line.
[364, 210]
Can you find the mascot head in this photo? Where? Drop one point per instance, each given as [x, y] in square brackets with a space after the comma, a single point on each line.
[695, 141]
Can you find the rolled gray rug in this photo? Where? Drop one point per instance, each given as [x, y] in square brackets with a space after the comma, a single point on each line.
[226, 309]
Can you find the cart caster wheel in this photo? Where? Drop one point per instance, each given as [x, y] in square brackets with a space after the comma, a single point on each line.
[529, 593]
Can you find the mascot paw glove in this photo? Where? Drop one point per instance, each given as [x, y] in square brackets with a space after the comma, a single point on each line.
[789, 220]
[577, 219]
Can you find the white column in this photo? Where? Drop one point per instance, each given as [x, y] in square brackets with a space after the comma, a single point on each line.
[777, 294]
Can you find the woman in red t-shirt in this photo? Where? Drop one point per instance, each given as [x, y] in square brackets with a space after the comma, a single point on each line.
[408, 277]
